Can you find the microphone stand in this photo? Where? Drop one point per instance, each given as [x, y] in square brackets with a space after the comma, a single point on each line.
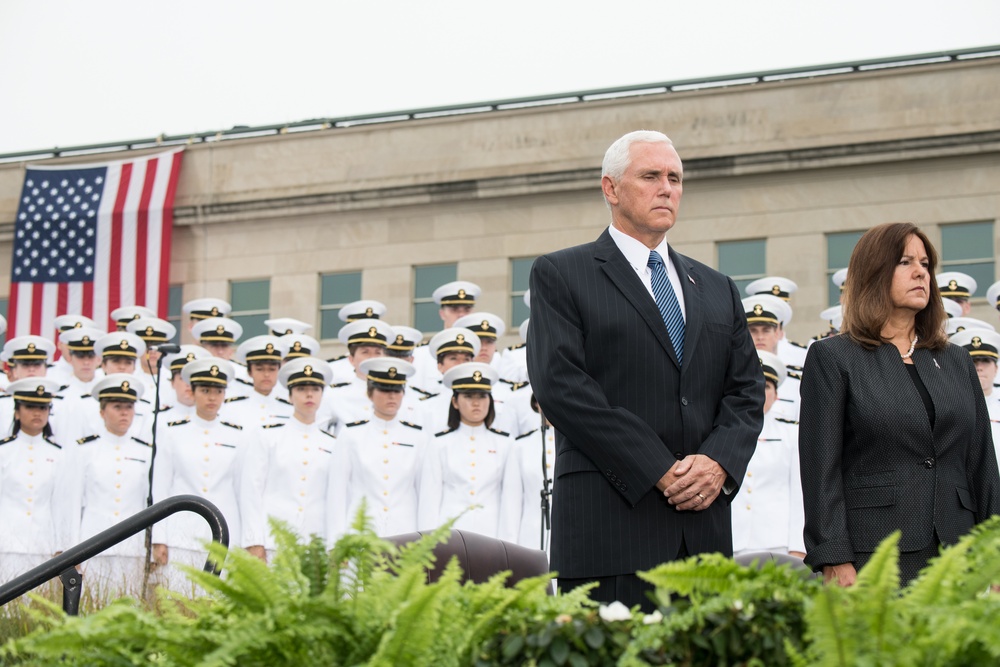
[546, 484]
[152, 462]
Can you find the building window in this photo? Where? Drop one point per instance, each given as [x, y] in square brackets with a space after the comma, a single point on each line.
[336, 290]
[251, 301]
[175, 298]
[838, 254]
[426, 279]
[743, 261]
[968, 247]
[520, 269]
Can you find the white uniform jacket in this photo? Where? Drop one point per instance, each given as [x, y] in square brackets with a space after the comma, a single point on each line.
[521, 499]
[35, 516]
[379, 462]
[200, 458]
[463, 468]
[285, 476]
[767, 511]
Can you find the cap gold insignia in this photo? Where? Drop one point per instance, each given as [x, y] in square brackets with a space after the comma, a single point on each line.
[392, 372]
[190, 356]
[460, 338]
[461, 294]
[952, 284]
[31, 347]
[86, 340]
[485, 325]
[41, 390]
[399, 339]
[124, 344]
[220, 329]
[758, 309]
[149, 331]
[214, 371]
[477, 376]
[369, 312]
[215, 311]
[959, 329]
[308, 370]
[136, 316]
[977, 341]
[776, 290]
[78, 325]
[269, 348]
[297, 346]
[288, 331]
[372, 331]
[125, 385]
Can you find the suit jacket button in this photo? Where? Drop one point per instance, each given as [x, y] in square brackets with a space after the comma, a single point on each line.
[684, 400]
[678, 455]
[929, 463]
[624, 487]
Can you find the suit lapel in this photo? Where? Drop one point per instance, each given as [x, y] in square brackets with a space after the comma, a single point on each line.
[692, 303]
[930, 374]
[621, 273]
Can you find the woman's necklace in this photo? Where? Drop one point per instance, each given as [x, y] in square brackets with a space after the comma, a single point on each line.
[913, 346]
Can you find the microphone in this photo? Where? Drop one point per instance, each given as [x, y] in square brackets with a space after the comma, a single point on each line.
[168, 348]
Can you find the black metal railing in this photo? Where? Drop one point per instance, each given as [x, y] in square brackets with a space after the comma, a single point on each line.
[314, 124]
[64, 565]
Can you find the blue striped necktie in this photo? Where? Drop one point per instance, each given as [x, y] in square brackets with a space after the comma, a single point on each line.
[666, 301]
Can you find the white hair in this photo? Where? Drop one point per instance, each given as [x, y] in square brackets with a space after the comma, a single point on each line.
[617, 158]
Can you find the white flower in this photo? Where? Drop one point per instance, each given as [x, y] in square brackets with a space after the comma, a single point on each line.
[615, 611]
[738, 605]
[652, 619]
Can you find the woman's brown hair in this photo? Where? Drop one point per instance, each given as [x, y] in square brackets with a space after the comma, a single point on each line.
[867, 291]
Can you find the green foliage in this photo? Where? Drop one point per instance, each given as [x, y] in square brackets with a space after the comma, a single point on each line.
[947, 616]
[364, 602]
[716, 612]
[367, 602]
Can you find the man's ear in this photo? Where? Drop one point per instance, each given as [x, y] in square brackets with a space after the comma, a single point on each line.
[609, 187]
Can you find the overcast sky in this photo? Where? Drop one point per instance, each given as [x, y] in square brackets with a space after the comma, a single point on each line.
[76, 72]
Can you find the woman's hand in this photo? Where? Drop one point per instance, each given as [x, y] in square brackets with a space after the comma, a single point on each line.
[843, 575]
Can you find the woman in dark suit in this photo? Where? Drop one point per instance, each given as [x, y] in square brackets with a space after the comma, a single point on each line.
[894, 431]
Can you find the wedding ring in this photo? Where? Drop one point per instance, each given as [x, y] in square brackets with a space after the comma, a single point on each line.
[701, 496]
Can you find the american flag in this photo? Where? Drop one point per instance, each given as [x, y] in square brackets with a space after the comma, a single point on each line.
[90, 238]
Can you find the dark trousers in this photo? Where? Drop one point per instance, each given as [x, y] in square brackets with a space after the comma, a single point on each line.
[628, 589]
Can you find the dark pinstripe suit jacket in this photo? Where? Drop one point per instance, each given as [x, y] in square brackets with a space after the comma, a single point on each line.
[871, 463]
[605, 373]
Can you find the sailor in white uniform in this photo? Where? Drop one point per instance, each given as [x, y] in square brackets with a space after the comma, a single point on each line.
[219, 335]
[80, 415]
[199, 456]
[531, 463]
[286, 468]
[959, 287]
[154, 332]
[514, 364]
[451, 347]
[765, 316]
[366, 309]
[183, 405]
[27, 357]
[377, 460]
[454, 300]
[510, 412]
[111, 483]
[984, 346]
[403, 346]
[767, 512]
[33, 475]
[365, 339]
[61, 371]
[993, 296]
[268, 402]
[462, 472]
[792, 353]
[82, 361]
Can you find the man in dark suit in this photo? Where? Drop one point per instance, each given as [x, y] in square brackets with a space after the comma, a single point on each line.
[647, 371]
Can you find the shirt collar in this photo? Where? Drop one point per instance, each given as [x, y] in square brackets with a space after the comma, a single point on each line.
[635, 251]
